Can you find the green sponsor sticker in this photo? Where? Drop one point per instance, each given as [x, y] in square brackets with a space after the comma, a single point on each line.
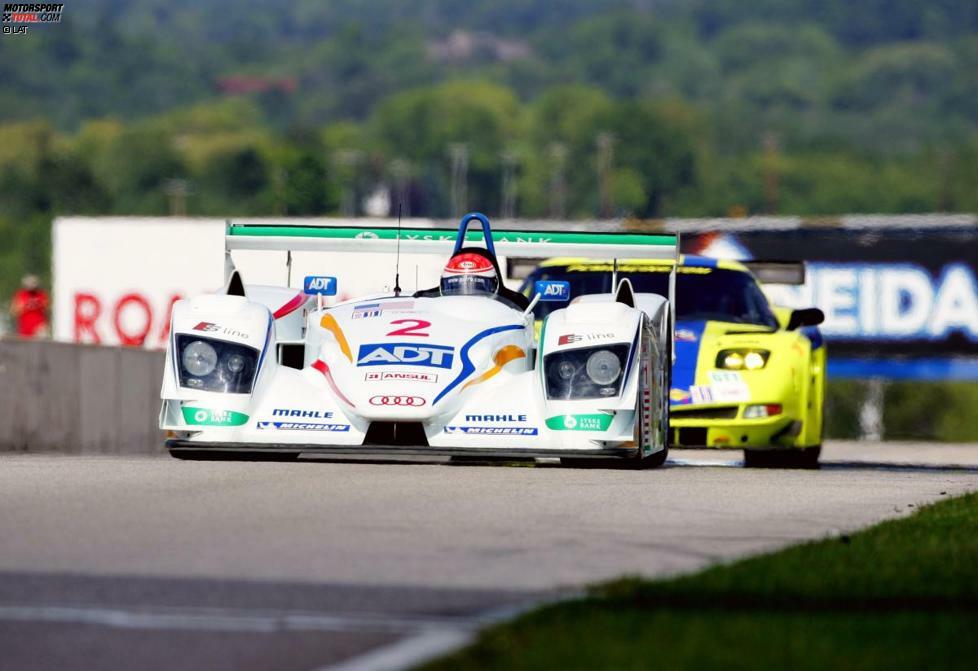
[599, 422]
[447, 235]
[212, 417]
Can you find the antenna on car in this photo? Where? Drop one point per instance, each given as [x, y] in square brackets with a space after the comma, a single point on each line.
[397, 262]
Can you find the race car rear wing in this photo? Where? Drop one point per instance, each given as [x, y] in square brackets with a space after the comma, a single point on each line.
[531, 243]
[508, 243]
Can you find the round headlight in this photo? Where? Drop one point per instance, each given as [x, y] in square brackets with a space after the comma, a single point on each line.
[235, 363]
[753, 361]
[566, 370]
[603, 367]
[199, 358]
[733, 361]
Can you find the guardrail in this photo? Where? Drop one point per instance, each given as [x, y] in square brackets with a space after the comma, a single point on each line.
[79, 399]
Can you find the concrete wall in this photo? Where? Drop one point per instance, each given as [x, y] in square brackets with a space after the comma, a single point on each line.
[79, 399]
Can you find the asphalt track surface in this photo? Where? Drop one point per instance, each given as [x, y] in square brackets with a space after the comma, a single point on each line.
[152, 563]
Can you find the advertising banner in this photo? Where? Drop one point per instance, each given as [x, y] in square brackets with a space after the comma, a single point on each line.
[115, 279]
[899, 301]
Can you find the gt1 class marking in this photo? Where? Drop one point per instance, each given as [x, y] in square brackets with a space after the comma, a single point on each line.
[406, 354]
[302, 426]
[494, 430]
[396, 376]
[409, 401]
[419, 325]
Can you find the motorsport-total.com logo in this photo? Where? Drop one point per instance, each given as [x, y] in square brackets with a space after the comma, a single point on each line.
[24, 13]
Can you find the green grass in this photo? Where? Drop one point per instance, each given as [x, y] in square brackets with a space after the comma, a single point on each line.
[900, 595]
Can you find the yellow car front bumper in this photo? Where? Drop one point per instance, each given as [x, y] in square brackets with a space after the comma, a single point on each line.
[723, 427]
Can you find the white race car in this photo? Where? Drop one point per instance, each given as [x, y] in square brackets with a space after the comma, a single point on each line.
[263, 372]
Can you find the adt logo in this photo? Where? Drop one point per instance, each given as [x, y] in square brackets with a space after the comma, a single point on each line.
[319, 284]
[552, 290]
[405, 354]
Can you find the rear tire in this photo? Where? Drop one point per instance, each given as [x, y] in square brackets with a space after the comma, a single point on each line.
[222, 455]
[783, 458]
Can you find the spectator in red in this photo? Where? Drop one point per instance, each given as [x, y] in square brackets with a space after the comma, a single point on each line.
[30, 308]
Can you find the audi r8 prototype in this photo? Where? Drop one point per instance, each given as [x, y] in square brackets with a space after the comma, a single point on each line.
[271, 372]
[746, 374]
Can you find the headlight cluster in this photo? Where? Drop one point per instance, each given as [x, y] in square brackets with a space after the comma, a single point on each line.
[592, 372]
[742, 359]
[215, 365]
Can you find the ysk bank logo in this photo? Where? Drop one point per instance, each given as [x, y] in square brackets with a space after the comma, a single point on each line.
[212, 417]
[406, 354]
[596, 422]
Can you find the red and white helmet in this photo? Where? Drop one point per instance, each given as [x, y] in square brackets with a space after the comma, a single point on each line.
[469, 274]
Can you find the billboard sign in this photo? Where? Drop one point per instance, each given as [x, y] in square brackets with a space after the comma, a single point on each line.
[899, 302]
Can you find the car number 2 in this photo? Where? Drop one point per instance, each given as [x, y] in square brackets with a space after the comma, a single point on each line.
[416, 329]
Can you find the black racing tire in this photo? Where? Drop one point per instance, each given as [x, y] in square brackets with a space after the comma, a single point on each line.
[226, 455]
[783, 458]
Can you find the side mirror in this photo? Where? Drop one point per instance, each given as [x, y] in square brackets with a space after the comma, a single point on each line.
[552, 291]
[806, 317]
[321, 285]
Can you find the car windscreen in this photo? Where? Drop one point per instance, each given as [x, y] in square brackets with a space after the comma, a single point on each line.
[702, 293]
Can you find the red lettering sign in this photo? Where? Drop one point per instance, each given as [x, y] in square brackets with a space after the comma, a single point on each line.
[137, 337]
[87, 311]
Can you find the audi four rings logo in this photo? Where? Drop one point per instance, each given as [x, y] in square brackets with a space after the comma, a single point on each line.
[412, 401]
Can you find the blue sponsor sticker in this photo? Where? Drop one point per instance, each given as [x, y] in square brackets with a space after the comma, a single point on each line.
[493, 430]
[319, 284]
[302, 426]
[552, 290]
[406, 354]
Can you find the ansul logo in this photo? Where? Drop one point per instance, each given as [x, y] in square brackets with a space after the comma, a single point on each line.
[411, 401]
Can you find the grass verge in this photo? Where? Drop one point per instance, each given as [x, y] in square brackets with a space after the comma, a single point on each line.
[900, 595]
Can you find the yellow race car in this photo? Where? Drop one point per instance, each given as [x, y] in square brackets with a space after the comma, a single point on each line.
[746, 375]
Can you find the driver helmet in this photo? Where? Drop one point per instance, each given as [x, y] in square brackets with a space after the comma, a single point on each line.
[469, 274]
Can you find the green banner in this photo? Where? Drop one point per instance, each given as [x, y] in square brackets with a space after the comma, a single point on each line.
[212, 417]
[598, 422]
[448, 235]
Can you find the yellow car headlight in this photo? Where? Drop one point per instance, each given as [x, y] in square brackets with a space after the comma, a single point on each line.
[742, 359]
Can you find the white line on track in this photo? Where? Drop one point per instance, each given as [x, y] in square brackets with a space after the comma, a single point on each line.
[407, 652]
[220, 619]
[414, 650]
